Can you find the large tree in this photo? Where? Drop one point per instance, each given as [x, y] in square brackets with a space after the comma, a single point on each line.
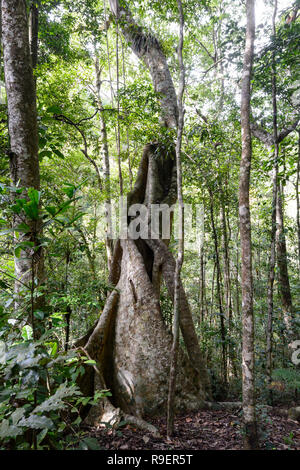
[131, 342]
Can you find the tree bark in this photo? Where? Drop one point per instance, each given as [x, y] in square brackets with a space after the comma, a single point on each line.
[219, 293]
[22, 114]
[106, 167]
[298, 200]
[131, 343]
[148, 49]
[250, 439]
[229, 309]
[180, 255]
[33, 32]
[283, 276]
[270, 140]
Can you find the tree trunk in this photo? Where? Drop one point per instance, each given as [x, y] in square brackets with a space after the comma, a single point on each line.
[202, 284]
[33, 32]
[271, 276]
[180, 255]
[283, 276]
[21, 100]
[135, 355]
[148, 49]
[250, 439]
[106, 167]
[298, 200]
[272, 258]
[229, 310]
[131, 343]
[219, 294]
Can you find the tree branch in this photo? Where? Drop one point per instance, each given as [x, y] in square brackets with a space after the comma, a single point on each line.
[285, 132]
[66, 120]
[148, 49]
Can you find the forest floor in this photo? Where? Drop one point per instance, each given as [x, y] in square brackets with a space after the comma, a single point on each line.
[203, 430]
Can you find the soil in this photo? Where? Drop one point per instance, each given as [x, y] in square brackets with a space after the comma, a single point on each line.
[203, 430]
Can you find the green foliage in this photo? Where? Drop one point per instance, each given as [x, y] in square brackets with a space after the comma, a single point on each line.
[290, 377]
[38, 393]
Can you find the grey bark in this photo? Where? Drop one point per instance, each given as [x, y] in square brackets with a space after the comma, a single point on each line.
[106, 166]
[250, 439]
[267, 138]
[227, 276]
[21, 101]
[272, 257]
[148, 49]
[219, 292]
[33, 32]
[298, 200]
[286, 298]
[131, 343]
[282, 261]
[180, 254]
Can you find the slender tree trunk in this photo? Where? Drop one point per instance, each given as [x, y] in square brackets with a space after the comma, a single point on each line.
[298, 200]
[283, 276]
[106, 167]
[212, 296]
[127, 130]
[180, 255]
[201, 291]
[219, 294]
[68, 308]
[227, 277]
[118, 131]
[202, 296]
[272, 257]
[237, 274]
[271, 277]
[250, 439]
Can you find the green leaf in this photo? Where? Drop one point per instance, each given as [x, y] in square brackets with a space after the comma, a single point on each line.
[39, 314]
[22, 228]
[55, 401]
[32, 210]
[27, 332]
[92, 443]
[58, 153]
[3, 284]
[34, 195]
[54, 349]
[7, 430]
[69, 190]
[42, 142]
[54, 110]
[45, 153]
[17, 252]
[77, 421]
[83, 446]
[22, 246]
[36, 422]
[41, 436]
[51, 209]
[17, 415]
[16, 208]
